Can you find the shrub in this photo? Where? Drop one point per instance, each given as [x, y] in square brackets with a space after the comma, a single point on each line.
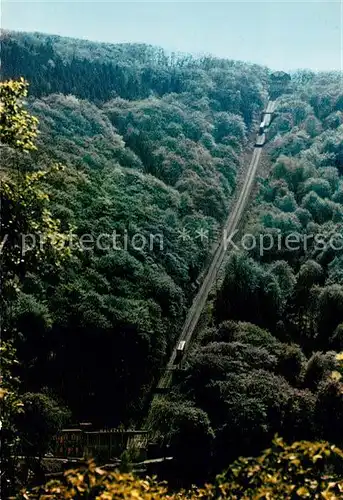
[283, 472]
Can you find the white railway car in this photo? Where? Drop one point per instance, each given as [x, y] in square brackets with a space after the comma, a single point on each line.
[260, 140]
[180, 352]
[261, 129]
[267, 118]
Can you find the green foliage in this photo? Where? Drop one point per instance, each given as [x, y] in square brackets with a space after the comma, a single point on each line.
[249, 292]
[301, 470]
[187, 433]
[154, 150]
[330, 311]
[30, 232]
[291, 361]
[18, 128]
[318, 367]
[37, 425]
[24, 214]
[302, 196]
[100, 72]
[11, 406]
[152, 144]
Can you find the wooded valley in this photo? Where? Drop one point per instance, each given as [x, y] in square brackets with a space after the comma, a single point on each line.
[137, 146]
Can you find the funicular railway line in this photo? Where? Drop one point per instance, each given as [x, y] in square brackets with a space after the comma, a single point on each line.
[230, 227]
[75, 443]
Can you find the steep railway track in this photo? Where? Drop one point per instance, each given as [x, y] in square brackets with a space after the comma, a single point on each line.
[200, 299]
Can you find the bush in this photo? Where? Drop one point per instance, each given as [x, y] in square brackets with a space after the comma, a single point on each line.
[318, 367]
[40, 421]
[302, 470]
[283, 472]
[290, 362]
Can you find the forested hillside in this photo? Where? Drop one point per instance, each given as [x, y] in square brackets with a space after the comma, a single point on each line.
[136, 158]
[154, 162]
[264, 364]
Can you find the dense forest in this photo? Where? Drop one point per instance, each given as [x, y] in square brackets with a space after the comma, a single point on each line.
[263, 364]
[136, 155]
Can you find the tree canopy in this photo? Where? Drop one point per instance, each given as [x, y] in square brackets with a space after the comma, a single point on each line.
[118, 171]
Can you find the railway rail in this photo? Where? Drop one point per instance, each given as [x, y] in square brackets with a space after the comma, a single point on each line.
[230, 227]
[72, 444]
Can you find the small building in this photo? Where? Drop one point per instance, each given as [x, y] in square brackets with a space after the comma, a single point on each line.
[102, 444]
[279, 83]
[69, 443]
